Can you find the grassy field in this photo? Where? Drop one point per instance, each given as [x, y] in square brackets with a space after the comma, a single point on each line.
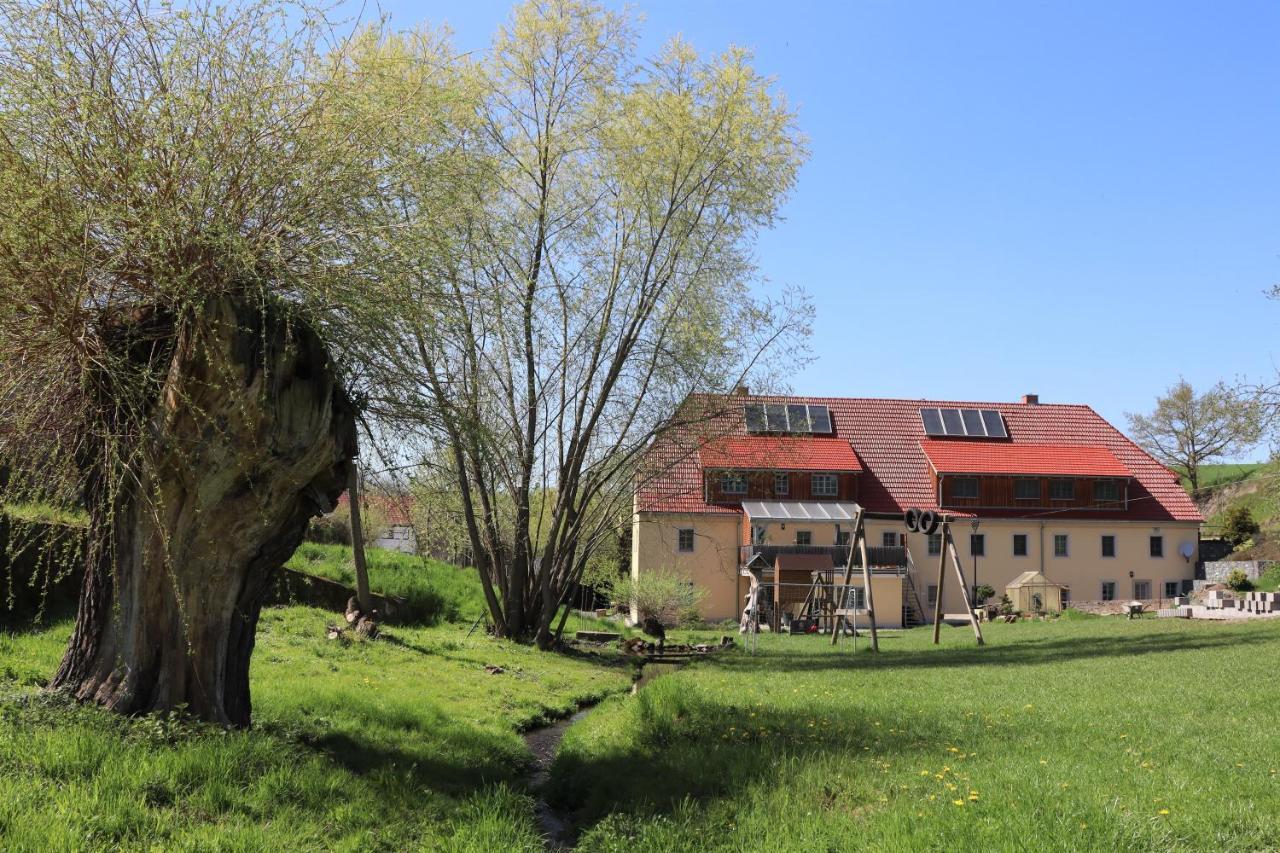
[435, 591]
[403, 743]
[1227, 472]
[1098, 734]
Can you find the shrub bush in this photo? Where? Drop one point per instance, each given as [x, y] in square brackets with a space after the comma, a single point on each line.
[982, 593]
[1238, 526]
[1239, 581]
[662, 595]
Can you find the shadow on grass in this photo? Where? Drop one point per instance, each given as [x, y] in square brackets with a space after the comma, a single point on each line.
[1026, 651]
[686, 747]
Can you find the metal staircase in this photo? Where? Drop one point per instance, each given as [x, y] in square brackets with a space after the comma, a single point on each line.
[913, 612]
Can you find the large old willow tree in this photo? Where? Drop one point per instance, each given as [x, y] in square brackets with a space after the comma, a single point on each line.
[596, 272]
[184, 282]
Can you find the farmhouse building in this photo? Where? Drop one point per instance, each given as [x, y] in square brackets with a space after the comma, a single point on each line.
[773, 484]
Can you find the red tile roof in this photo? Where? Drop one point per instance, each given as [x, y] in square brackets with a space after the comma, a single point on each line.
[779, 453]
[397, 509]
[886, 437]
[998, 457]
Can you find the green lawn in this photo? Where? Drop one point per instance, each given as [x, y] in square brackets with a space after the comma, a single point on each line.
[435, 591]
[403, 743]
[1098, 734]
[1227, 472]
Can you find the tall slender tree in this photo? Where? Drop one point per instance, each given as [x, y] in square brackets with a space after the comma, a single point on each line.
[597, 273]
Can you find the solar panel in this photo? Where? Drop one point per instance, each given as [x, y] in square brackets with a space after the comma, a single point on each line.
[775, 415]
[994, 423]
[755, 418]
[798, 418]
[973, 423]
[932, 422]
[952, 422]
[820, 419]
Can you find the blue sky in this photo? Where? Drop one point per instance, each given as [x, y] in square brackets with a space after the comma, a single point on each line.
[1077, 199]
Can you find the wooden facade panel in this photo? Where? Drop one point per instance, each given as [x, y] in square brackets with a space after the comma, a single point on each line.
[761, 487]
[1000, 492]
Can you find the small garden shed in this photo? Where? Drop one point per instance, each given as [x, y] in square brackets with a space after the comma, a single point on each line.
[1032, 591]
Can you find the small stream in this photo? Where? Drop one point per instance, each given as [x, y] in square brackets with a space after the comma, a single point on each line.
[557, 826]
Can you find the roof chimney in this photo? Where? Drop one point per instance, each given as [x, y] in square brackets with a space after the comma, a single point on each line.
[1030, 399]
[742, 391]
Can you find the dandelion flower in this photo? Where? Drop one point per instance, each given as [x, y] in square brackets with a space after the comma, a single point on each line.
[1163, 811]
[958, 802]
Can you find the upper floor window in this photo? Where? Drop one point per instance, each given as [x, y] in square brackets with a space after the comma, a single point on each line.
[964, 487]
[1060, 544]
[1106, 490]
[733, 484]
[889, 539]
[782, 484]
[1019, 544]
[1026, 489]
[935, 544]
[978, 544]
[1062, 490]
[804, 537]
[1108, 546]
[684, 539]
[824, 485]
[1157, 546]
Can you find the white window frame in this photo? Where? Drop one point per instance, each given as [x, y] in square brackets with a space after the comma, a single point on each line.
[807, 534]
[725, 479]
[680, 534]
[1146, 597]
[928, 547]
[782, 484]
[885, 539]
[1066, 544]
[830, 487]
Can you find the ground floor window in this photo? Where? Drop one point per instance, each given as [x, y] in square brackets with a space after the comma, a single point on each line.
[804, 537]
[842, 538]
[889, 539]
[855, 598]
[1171, 589]
[932, 594]
[684, 539]
[1108, 590]
[1142, 590]
[935, 544]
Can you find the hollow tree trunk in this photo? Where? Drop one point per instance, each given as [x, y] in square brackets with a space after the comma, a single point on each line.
[250, 436]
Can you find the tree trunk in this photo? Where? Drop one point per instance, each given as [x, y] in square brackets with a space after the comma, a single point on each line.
[357, 542]
[249, 436]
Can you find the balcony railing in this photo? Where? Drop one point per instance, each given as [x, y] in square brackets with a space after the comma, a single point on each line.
[880, 557]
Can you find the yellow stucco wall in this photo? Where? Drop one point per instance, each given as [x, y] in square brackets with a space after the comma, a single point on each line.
[713, 562]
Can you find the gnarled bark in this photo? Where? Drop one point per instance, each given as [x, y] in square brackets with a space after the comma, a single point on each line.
[249, 437]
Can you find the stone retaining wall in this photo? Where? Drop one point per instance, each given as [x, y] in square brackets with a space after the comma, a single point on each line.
[1217, 572]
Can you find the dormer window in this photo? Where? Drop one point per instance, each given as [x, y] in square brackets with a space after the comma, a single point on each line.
[1106, 490]
[733, 484]
[782, 484]
[1062, 490]
[964, 487]
[824, 486]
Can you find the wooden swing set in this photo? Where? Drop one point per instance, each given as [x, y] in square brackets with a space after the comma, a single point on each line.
[837, 608]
